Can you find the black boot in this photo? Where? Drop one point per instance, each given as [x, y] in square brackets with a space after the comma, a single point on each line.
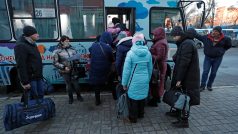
[97, 96]
[153, 102]
[158, 100]
[181, 123]
[173, 113]
[71, 99]
[202, 88]
[114, 95]
[132, 120]
[79, 97]
[98, 101]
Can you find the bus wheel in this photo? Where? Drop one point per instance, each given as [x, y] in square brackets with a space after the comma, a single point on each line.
[15, 82]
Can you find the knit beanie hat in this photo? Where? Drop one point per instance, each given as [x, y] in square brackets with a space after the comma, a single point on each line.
[218, 28]
[138, 37]
[177, 31]
[29, 30]
[191, 32]
[121, 35]
[111, 25]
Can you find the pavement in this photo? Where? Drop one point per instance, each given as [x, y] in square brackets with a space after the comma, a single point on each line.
[217, 114]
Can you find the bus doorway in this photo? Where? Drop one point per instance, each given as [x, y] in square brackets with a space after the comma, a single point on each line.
[126, 16]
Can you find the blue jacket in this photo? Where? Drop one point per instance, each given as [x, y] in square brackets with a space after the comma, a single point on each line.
[123, 47]
[139, 86]
[100, 61]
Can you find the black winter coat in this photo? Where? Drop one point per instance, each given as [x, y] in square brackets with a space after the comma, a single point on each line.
[101, 60]
[187, 69]
[28, 60]
[217, 50]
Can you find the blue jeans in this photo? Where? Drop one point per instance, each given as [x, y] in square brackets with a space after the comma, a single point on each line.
[213, 65]
[36, 89]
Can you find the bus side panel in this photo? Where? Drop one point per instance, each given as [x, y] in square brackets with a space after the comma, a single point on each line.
[7, 60]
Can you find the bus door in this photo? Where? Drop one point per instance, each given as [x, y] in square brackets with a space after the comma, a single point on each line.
[126, 15]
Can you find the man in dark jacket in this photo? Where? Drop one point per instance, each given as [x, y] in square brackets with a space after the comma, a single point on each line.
[215, 46]
[29, 62]
[186, 71]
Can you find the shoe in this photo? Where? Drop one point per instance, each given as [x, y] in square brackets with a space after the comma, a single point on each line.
[209, 88]
[98, 103]
[141, 116]
[80, 98]
[202, 88]
[181, 123]
[153, 103]
[158, 100]
[172, 113]
[71, 101]
[114, 95]
[132, 120]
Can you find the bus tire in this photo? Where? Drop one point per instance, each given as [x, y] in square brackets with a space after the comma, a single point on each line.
[15, 81]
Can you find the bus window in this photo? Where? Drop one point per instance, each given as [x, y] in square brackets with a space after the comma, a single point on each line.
[43, 17]
[166, 18]
[81, 19]
[5, 33]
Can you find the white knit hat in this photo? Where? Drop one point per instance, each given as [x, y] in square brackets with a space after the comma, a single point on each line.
[138, 37]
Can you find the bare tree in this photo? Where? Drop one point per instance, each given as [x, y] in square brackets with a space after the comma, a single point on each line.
[190, 12]
[210, 11]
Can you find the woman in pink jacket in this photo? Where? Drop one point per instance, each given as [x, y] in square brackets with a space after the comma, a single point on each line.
[159, 51]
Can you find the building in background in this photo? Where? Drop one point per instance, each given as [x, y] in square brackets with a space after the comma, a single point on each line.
[226, 16]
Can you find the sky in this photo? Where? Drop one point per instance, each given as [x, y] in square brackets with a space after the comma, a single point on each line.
[226, 2]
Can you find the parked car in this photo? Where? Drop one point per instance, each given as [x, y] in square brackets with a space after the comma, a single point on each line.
[198, 44]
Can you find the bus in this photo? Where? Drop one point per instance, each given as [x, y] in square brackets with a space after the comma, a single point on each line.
[82, 21]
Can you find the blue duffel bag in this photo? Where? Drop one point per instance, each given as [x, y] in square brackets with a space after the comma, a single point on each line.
[19, 114]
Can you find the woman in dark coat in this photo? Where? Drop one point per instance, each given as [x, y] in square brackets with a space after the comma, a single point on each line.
[101, 60]
[186, 71]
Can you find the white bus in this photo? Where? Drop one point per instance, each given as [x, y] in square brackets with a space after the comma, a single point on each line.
[82, 21]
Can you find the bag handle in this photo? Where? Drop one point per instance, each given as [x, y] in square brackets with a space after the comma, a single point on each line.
[103, 51]
[185, 94]
[26, 97]
[155, 62]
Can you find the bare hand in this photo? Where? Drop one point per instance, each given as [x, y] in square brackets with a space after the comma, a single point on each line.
[119, 78]
[178, 84]
[67, 69]
[125, 87]
[27, 86]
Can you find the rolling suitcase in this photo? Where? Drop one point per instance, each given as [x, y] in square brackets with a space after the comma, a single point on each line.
[20, 114]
